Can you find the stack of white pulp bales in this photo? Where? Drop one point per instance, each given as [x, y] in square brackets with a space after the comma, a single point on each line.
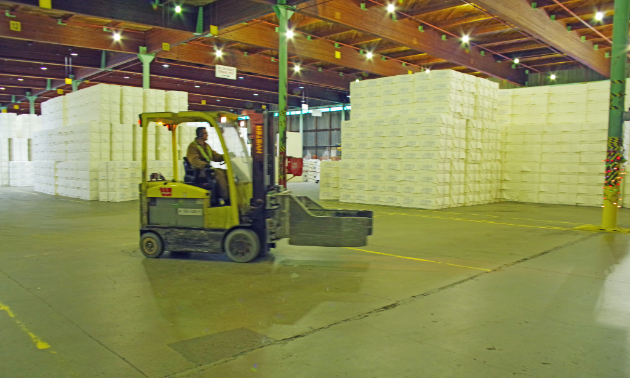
[311, 170]
[97, 125]
[329, 183]
[555, 143]
[427, 140]
[16, 167]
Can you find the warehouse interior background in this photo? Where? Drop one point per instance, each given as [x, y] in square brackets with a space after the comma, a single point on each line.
[487, 137]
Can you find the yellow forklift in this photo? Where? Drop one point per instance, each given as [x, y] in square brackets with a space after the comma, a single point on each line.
[189, 216]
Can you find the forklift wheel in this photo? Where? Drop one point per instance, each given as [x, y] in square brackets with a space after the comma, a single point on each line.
[242, 245]
[151, 245]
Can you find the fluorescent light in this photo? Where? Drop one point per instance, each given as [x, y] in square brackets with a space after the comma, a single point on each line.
[74, 54]
[301, 87]
[126, 77]
[517, 60]
[1, 88]
[599, 16]
[255, 94]
[223, 119]
[165, 65]
[218, 100]
[20, 79]
[465, 39]
[116, 36]
[553, 77]
[369, 55]
[241, 77]
[427, 70]
[290, 34]
[196, 86]
[44, 68]
[296, 68]
[178, 9]
[218, 53]
[391, 8]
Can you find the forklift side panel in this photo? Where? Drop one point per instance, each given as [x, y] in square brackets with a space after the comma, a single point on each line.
[176, 212]
[190, 240]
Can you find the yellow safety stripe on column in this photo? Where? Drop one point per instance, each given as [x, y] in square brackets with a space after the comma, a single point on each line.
[618, 81]
[614, 161]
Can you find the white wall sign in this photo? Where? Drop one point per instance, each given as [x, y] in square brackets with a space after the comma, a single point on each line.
[226, 72]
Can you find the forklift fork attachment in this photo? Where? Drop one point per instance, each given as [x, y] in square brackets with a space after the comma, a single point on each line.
[305, 222]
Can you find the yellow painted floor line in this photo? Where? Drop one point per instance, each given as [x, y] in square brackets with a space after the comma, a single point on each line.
[21, 191]
[416, 259]
[485, 221]
[540, 220]
[39, 343]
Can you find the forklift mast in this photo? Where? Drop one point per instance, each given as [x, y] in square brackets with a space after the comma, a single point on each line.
[263, 172]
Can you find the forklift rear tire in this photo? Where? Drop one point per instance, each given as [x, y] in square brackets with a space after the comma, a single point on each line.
[242, 245]
[151, 245]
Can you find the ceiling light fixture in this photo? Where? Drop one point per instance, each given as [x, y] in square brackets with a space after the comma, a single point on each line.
[465, 39]
[20, 79]
[290, 33]
[553, 77]
[116, 36]
[1, 88]
[74, 54]
[296, 68]
[218, 53]
[517, 61]
[599, 16]
[369, 55]
[255, 94]
[165, 65]
[44, 68]
[391, 8]
[178, 9]
[196, 86]
[126, 77]
[428, 70]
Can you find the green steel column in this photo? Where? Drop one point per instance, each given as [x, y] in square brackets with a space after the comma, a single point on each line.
[146, 60]
[614, 157]
[31, 101]
[75, 83]
[284, 13]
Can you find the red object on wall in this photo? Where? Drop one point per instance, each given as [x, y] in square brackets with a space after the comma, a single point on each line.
[295, 166]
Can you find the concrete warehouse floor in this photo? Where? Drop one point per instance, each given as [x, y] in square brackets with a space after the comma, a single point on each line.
[496, 290]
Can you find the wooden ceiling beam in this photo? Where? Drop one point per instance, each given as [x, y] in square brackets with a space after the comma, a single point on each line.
[257, 64]
[263, 35]
[405, 32]
[537, 23]
[439, 6]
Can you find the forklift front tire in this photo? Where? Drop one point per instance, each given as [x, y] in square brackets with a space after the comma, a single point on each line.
[151, 245]
[242, 245]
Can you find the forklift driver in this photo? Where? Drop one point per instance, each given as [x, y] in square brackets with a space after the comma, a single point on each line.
[200, 155]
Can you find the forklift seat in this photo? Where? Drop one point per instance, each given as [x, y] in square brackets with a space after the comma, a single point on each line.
[192, 177]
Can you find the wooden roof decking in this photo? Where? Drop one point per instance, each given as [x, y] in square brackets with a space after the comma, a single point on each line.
[248, 40]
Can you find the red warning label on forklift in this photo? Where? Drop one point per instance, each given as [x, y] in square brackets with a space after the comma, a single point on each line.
[167, 192]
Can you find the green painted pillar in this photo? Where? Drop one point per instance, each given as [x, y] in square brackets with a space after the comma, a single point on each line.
[146, 60]
[284, 13]
[31, 100]
[75, 83]
[614, 157]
